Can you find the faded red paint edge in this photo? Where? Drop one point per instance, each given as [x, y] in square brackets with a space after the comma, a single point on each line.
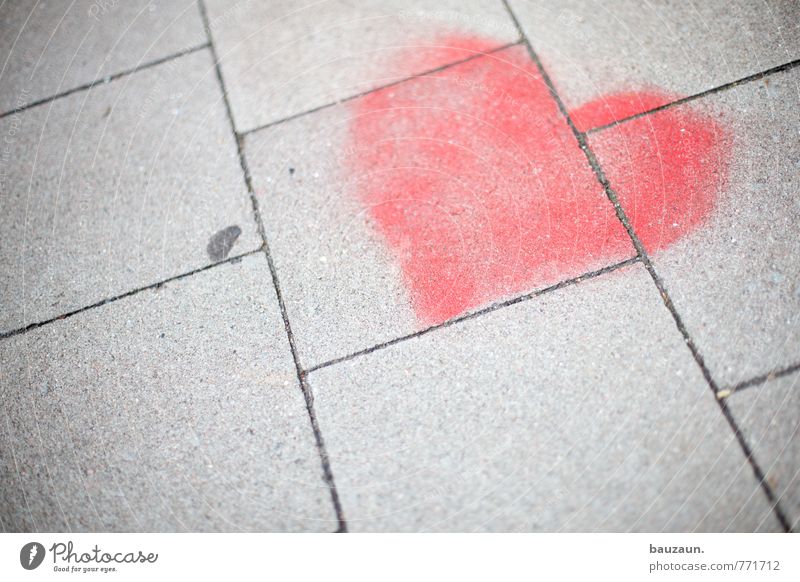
[444, 164]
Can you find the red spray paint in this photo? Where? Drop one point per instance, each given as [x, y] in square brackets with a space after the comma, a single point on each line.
[666, 169]
[617, 107]
[481, 191]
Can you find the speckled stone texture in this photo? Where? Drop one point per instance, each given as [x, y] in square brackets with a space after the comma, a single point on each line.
[736, 280]
[51, 47]
[341, 277]
[593, 49]
[280, 59]
[579, 410]
[429, 220]
[342, 290]
[769, 416]
[115, 188]
[176, 409]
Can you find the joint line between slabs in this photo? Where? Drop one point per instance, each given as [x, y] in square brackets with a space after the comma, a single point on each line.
[475, 314]
[380, 88]
[759, 380]
[114, 298]
[642, 253]
[301, 375]
[724, 87]
[104, 80]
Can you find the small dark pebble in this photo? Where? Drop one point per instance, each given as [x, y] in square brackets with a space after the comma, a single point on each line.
[222, 242]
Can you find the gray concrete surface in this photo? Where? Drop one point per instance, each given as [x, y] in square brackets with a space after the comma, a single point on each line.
[281, 58]
[52, 47]
[177, 409]
[580, 410]
[769, 416]
[594, 49]
[343, 285]
[736, 280]
[343, 290]
[115, 188]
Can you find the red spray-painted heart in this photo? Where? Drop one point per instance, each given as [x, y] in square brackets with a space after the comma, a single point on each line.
[479, 188]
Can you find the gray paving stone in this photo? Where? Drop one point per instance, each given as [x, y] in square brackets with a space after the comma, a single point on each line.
[345, 283]
[595, 49]
[578, 410]
[115, 188]
[769, 417]
[280, 59]
[175, 409]
[51, 47]
[735, 280]
[342, 290]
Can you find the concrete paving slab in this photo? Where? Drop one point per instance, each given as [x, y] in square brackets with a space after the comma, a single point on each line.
[769, 417]
[176, 409]
[115, 188]
[734, 278]
[51, 47]
[580, 410]
[597, 50]
[280, 58]
[429, 199]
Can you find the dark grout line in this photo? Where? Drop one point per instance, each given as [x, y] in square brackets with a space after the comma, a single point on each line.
[130, 293]
[754, 77]
[773, 500]
[478, 313]
[105, 80]
[642, 253]
[382, 87]
[301, 375]
[758, 380]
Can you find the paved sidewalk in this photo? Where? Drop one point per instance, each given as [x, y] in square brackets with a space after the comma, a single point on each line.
[484, 266]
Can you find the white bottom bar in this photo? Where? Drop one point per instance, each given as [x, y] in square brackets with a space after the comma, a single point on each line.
[383, 557]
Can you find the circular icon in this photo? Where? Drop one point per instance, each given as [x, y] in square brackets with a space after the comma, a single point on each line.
[31, 555]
